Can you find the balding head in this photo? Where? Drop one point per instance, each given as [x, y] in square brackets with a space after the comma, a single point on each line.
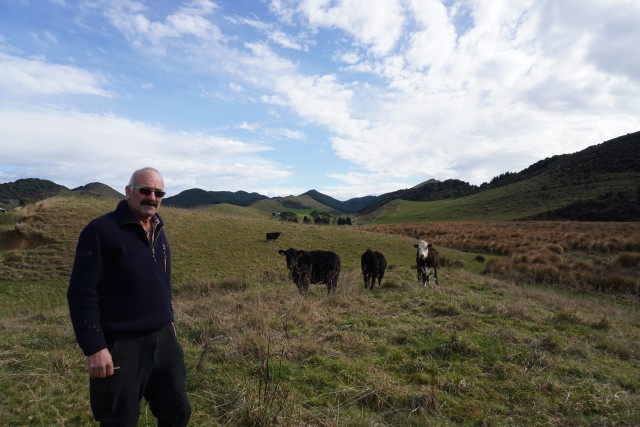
[144, 206]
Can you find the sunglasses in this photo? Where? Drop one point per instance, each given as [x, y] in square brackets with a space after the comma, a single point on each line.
[147, 191]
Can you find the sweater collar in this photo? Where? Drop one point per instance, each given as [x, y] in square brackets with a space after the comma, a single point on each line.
[124, 215]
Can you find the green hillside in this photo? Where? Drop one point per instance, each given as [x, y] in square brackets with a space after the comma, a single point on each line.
[519, 200]
[301, 205]
[196, 197]
[226, 233]
[350, 206]
[601, 182]
[24, 191]
[96, 190]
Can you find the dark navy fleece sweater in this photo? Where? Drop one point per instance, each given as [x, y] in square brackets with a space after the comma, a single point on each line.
[119, 282]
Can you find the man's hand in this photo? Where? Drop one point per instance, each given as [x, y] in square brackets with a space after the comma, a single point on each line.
[100, 364]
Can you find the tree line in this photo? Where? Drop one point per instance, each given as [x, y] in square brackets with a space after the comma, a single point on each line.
[316, 217]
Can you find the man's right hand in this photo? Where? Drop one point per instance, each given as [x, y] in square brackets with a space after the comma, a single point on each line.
[100, 364]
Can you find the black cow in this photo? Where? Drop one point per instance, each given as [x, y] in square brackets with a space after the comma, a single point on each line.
[313, 267]
[272, 236]
[373, 266]
[427, 259]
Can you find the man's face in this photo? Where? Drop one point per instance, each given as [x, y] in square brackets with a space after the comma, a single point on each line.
[144, 206]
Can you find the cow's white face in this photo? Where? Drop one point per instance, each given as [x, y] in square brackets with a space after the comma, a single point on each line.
[423, 249]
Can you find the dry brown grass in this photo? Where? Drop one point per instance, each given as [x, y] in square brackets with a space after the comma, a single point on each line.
[584, 255]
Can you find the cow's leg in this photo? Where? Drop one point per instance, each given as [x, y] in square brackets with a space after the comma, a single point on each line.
[435, 275]
[304, 286]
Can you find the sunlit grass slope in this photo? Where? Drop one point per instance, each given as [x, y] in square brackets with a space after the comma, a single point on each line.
[515, 201]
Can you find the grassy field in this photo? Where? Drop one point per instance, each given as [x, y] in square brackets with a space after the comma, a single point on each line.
[477, 350]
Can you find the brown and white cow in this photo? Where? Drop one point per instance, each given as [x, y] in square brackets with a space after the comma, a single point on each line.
[427, 259]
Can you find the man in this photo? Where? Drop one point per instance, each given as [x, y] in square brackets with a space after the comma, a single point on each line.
[120, 304]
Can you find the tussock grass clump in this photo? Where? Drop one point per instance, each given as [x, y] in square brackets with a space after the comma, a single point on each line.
[202, 288]
[629, 260]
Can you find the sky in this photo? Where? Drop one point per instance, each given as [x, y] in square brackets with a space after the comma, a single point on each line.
[348, 97]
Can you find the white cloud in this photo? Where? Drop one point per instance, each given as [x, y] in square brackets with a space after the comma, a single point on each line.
[251, 127]
[83, 147]
[347, 57]
[24, 76]
[285, 40]
[189, 21]
[377, 24]
[321, 100]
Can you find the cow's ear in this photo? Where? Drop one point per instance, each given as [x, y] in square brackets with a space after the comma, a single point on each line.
[281, 252]
[429, 245]
[415, 246]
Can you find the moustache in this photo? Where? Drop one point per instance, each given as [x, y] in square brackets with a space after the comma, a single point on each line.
[149, 203]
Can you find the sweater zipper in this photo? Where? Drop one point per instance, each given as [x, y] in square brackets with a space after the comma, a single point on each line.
[155, 232]
[164, 252]
[151, 243]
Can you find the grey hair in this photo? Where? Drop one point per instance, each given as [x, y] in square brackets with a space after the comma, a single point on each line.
[135, 175]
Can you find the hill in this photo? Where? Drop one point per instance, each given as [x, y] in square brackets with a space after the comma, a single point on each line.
[196, 197]
[289, 203]
[97, 190]
[618, 155]
[354, 205]
[29, 190]
[310, 200]
[599, 183]
[596, 184]
[427, 191]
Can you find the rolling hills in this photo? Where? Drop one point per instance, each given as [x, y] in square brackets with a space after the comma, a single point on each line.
[601, 182]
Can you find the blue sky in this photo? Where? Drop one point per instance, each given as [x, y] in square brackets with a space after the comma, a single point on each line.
[348, 97]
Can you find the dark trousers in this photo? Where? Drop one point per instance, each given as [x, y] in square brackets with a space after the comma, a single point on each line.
[149, 365]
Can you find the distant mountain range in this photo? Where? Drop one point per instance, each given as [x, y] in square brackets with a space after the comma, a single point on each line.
[604, 180]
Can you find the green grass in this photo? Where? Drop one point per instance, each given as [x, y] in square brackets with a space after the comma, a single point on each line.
[474, 351]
